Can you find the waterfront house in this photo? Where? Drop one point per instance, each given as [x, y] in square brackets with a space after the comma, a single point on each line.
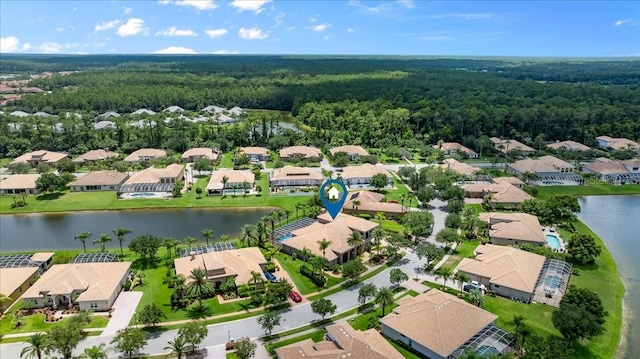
[513, 228]
[243, 181]
[99, 181]
[290, 177]
[19, 184]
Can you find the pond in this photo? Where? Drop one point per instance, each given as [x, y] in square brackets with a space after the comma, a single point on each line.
[54, 231]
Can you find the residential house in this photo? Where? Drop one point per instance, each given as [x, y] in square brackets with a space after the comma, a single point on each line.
[236, 111]
[568, 145]
[360, 176]
[439, 325]
[513, 228]
[108, 114]
[337, 231]
[499, 195]
[173, 109]
[19, 114]
[504, 146]
[300, 152]
[15, 281]
[353, 152]
[342, 341]
[144, 154]
[508, 271]
[606, 143]
[191, 155]
[143, 111]
[99, 181]
[154, 180]
[371, 203]
[100, 125]
[289, 176]
[514, 181]
[614, 172]
[545, 170]
[92, 286]
[256, 153]
[213, 109]
[95, 155]
[451, 148]
[37, 157]
[459, 167]
[19, 184]
[235, 264]
[235, 180]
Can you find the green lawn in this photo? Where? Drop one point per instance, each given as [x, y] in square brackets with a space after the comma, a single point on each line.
[316, 336]
[545, 192]
[463, 250]
[404, 352]
[226, 160]
[304, 284]
[4, 161]
[36, 323]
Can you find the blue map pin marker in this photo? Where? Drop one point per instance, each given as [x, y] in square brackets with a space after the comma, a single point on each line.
[336, 199]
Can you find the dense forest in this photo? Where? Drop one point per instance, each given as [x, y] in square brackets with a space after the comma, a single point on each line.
[372, 101]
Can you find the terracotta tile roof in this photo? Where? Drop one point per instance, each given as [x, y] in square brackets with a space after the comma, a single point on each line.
[350, 150]
[233, 176]
[153, 175]
[510, 145]
[520, 226]
[505, 266]
[96, 155]
[569, 145]
[304, 151]
[237, 263]
[291, 172]
[510, 180]
[20, 181]
[454, 146]
[145, 152]
[366, 170]
[500, 192]
[41, 155]
[542, 164]
[13, 278]
[42, 256]
[371, 202]
[96, 281]
[143, 111]
[355, 223]
[101, 178]
[618, 143]
[255, 151]
[606, 168]
[459, 167]
[171, 171]
[200, 152]
[346, 343]
[438, 321]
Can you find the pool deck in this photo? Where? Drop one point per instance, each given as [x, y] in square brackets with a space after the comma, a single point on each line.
[551, 231]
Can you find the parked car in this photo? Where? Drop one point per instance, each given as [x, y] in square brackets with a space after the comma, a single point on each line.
[474, 285]
[270, 277]
[393, 201]
[295, 296]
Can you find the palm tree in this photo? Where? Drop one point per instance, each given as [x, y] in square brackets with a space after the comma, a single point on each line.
[199, 284]
[95, 352]
[378, 234]
[518, 323]
[178, 346]
[190, 241]
[247, 234]
[271, 217]
[323, 245]
[37, 345]
[120, 233]
[384, 297]
[476, 298]
[82, 237]
[207, 234]
[462, 278]
[355, 241]
[380, 217]
[298, 207]
[256, 277]
[316, 264]
[525, 331]
[261, 231]
[355, 204]
[104, 238]
[279, 214]
[169, 243]
[445, 273]
[403, 197]
[225, 179]
[306, 253]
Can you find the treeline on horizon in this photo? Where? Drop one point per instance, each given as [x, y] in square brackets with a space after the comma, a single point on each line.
[370, 101]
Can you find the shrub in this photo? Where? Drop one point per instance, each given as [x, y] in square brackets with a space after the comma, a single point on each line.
[317, 279]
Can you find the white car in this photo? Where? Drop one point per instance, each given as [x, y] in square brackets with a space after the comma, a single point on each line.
[478, 285]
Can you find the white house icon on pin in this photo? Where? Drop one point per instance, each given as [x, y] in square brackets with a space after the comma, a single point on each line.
[334, 194]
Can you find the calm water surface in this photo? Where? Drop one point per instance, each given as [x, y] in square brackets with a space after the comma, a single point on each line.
[616, 219]
[57, 231]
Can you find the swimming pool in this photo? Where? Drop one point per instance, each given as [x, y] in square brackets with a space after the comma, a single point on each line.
[487, 351]
[142, 194]
[285, 237]
[552, 282]
[553, 241]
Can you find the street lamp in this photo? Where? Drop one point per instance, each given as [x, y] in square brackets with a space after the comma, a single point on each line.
[228, 335]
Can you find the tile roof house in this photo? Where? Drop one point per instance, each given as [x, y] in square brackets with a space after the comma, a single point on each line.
[337, 231]
[514, 181]
[96, 155]
[513, 228]
[614, 172]
[436, 324]
[213, 109]
[36, 157]
[300, 152]
[19, 114]
[504, 146]
[104, 124]
[451, 148]
[501, 194]
[145, 154]
[569, 146]
[108, 114]
[154, 179]
[342, 341]
[191, 155]
[353, 152]
[256, 153]
[606, 142]
[509, 271]
[289, 176]
[459, 167]
[236, 264]
[143, 111]
[360, 176]
[93, 286]
[173, 109]
[370, 203]
[238, 180]
[544, 164]
[99, 181]
[19, 183]
[15, 281]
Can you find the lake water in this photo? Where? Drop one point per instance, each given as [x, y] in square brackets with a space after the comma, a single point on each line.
[616, 219]
[57, 230]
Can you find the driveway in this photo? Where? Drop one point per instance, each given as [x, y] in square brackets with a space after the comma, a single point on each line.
[124, 309]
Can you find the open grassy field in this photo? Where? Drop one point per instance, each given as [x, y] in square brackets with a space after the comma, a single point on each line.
[546, 192]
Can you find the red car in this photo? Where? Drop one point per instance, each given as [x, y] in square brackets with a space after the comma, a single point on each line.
[393, 201]
[295, 296]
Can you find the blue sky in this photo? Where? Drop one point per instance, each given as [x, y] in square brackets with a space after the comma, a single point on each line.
[403, 27]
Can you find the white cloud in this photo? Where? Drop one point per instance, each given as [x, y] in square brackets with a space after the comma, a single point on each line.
[126, 10]
[466, 17]
[216, 33]
[174, 31]
[249, 5]
[107, 25]
[224, 52]
[9, 44]
[60, 29]
[54, 47]
[350, 30]
[312, 19]
[252, 34]
[26, 46]
[409, 4]
[320, 27]
[370, 9]
[278, 19]
[196, 4]
[622, 22]
[132, 27]
[175, 50]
